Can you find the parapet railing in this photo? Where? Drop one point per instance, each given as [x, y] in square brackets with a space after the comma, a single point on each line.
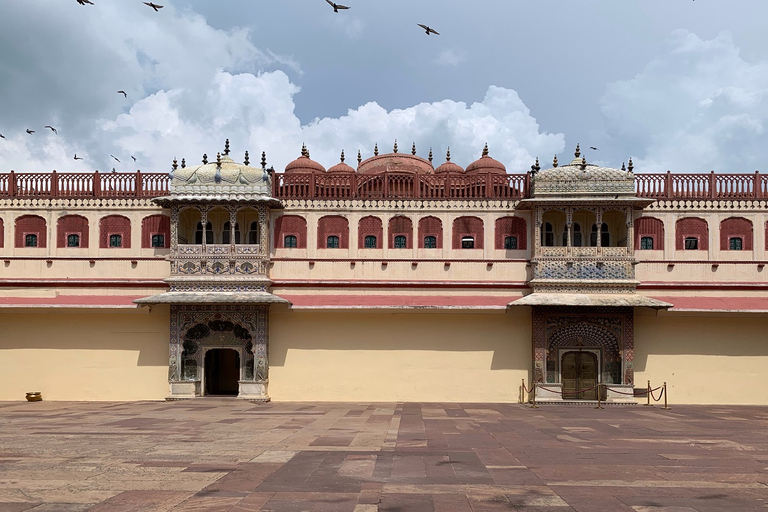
[76, 185]
[386, 185]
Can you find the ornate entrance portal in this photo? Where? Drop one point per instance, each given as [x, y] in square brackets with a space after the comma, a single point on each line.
[222, 371]
[579, 371]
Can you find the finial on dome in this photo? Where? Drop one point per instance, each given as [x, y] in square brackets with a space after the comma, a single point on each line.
[536, 167]
[218, 159]
[413, 148]
[583, 162]
[175, 164]
[342, 155]
[226, 147]
[554, 162]
[631, 166]
[246, 160]
[448, 154]
[359, 157]
[577, 154]
[623, 167]
[394, 149]
[263, 159]
[376, 149]
[183, 163]
[205, 158]
[430, 155]
[485, 149]
[308, 154]
[304, 151]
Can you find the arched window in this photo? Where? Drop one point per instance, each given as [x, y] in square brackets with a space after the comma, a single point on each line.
[30, 231]
[431, 231]
[511, 228]
[112, 228]
[467, 242]
[400, 242]
[510, 242]
[208, 233]
[605, 237]
[254, 235]
[290, 242]
[332, 242]
[293, 225]
[370, 242]
[69, 225]
[547, 235]
[649, 234]
[576, 242]
[400, 232]
[226, 233]
[370, 232]
[736, 234]
[430, 242]
[465, 228]
[333, 229]
[691, 234]
[156, 232]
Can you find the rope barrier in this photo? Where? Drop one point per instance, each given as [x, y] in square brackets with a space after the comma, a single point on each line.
[648, 393]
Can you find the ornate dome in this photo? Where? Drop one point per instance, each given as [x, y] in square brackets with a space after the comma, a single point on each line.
[486, 164]
[221, 175]
[341, 167]
[395, 162]
[304, 164]
[448, 166]
[580, 178]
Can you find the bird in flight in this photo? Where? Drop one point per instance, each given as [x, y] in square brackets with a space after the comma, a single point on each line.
[52, 129]
[335, 6]
[154, 6]
[593, 147]
[429, 30]
[84, 2]
[2, 136]
[113, 156]
[134, 158]
[77, 157]
[123, 93]
[30, 131]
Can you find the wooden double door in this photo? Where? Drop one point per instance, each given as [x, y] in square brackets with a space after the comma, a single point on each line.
[579, 371]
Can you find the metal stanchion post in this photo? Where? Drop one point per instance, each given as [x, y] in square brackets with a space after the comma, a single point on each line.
[599, 398]
[648, 395]
[522, 393]
[665, 398]
[533, 388]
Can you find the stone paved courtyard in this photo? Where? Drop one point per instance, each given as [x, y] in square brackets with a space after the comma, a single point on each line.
[229, 455]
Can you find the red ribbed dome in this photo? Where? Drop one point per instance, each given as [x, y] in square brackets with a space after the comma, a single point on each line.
[395, 162]
[304, 164]
[341, 167]
[486, 164]
[449, 166]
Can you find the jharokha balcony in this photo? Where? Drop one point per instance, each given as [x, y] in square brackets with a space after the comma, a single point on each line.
[384, 185]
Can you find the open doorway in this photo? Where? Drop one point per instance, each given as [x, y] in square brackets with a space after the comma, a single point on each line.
[222, 371]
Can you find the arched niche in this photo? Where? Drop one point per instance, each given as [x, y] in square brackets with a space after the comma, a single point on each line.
[553, 225]
[189, 218]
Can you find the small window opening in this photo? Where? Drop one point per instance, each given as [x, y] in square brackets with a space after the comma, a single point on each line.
[646, 243]
[467, 242]
[735, 243]
[576, 235]
[370, 242]
[430, 242]
[158, 241]
[290, 242]
[510, 242]
[115, 240]
[548, 235]
[73, 240]
[691, 243]
[332, 242]
[253, 234]
[400, 242]
[30, 241]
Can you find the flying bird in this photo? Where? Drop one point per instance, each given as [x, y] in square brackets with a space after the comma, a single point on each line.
[335, 6]
[154, 6]
[2, 136]
[123, 93]
[52, 129]
[593, 147]
[30, 131]
[84, 2]
[77, 157]
[429, 30]
[113, 156]
[134, 158]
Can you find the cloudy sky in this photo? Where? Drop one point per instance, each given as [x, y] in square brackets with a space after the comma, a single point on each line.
[675, 84]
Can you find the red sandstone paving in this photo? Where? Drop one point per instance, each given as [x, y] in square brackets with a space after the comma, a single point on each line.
[229, 455]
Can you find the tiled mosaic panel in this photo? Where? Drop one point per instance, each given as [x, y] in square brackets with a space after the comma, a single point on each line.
[584, 270]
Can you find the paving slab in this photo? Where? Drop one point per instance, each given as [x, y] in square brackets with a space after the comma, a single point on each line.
[217, 454]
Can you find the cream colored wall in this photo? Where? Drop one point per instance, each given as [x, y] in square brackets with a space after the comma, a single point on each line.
[703, 359]
[389, 355]
[85, 354]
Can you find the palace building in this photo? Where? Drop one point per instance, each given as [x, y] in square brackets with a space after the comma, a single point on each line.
[394, 280]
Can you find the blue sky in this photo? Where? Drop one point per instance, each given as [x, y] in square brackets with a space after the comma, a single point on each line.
[676, 84]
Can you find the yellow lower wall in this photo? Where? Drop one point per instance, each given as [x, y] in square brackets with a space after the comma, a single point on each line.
[71, 354]
[385, 356]
[704, 360]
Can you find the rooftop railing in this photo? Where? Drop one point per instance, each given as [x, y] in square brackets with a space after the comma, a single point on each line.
[386, 185]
